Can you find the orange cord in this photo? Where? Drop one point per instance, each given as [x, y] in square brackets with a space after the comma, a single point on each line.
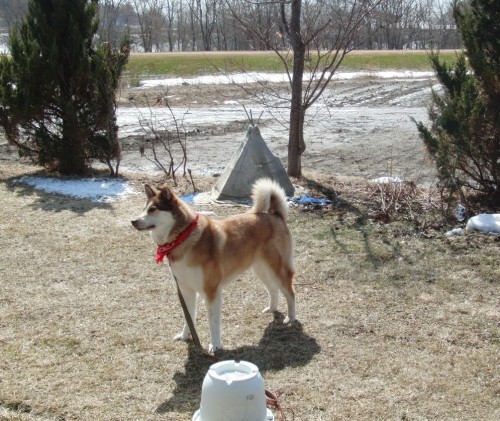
[272, 401]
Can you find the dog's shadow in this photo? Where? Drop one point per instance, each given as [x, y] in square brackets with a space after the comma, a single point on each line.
[281, 346]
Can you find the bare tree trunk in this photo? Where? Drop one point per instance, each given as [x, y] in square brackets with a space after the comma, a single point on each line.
[151, 21]
[192, 24]
[73, 157]
[296, 145]
[328, 33]
[170, 15]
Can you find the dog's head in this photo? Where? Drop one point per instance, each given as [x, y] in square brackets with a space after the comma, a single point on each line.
[159, 214]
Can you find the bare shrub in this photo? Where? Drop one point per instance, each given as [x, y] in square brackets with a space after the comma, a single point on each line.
[394, 197]
[165, 143]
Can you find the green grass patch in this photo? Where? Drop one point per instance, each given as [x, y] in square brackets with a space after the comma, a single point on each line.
[202, 63]
[393, 61]
[197, 64]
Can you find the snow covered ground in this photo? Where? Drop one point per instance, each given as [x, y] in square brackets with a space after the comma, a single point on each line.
[255, 77]
[95, 189]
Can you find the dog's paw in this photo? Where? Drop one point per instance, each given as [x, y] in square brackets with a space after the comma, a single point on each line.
[214, 348]
[182, 337]
[268, 310]
[287, 320]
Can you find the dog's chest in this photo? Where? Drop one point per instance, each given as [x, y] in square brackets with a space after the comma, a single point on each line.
[188, 276]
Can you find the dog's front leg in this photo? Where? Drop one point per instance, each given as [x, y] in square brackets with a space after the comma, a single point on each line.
[190, 298]
[214, 321]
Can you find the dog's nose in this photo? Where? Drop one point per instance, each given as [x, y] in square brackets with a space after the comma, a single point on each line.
[134, 223]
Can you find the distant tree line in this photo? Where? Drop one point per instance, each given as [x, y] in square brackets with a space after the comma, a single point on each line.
[205, 25]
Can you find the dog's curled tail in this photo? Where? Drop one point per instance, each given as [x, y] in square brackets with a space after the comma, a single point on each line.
[269, 197]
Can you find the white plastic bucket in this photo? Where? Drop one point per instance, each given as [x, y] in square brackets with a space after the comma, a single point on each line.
[233, 391]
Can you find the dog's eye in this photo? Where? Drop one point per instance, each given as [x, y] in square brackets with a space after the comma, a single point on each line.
[152, 209]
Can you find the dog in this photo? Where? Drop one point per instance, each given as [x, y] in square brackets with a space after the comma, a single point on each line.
[205, 253]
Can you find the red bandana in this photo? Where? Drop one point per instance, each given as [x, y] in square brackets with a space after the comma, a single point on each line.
[167, 248]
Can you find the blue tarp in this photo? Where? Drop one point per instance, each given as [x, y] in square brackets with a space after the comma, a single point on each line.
[306, 200]
[189, 198]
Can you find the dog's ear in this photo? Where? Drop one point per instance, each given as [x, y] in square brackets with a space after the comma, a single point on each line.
[150, 192]
[165, 192]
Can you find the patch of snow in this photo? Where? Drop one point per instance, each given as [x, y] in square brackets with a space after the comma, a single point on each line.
[387, 180]
[485, 222]
[95, 189]
[455, 231]
[256, 77]
[4, 41]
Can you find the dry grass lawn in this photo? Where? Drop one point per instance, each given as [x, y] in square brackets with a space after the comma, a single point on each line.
[398, 321]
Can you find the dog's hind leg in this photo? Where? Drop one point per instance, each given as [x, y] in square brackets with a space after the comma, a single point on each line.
[283, 273]
[266, 275]
[190, 298]
[289, 294]
[285, 285]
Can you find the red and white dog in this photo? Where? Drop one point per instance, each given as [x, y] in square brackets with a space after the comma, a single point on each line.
[206, 253]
